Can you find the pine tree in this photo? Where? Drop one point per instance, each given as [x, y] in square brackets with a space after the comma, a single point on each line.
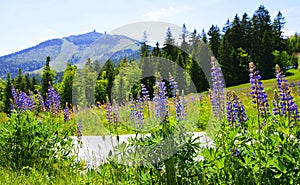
[8, 94]
[169, 49]
[2, 95]
[203, 36]
[67, 84]
[20, 83]
[214, 39]
[105, 81]
[27, 83]
[261, 42]
[34, 83]
[278, 26]
[156, 50]
[47, 77]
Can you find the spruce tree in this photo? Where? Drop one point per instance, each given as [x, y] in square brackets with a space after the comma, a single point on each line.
[27, 83]
[67, 84]
[20, 82]
[47, 77]
[214, 39]
[8, 94]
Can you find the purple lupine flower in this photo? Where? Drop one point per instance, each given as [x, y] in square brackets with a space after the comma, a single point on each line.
[182, 105]
[22, 101]
[66, 113]
[200, 97]
[145, 94]
[173, 86]
[234, 152]
[132, 108]
[14, 93]
[287, 104]
[160, 99]
[230, 117]
[218, 92]
[30, 102]
[116, 113]
[109, 111]
[41, 102]
[235, 109]
[276, 103]
[179, 107]
[292, 84]
[52, 102]
[258, 93]
[137, 111]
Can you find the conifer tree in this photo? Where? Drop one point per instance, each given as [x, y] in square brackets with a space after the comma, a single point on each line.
[8, 94]
[47, 77]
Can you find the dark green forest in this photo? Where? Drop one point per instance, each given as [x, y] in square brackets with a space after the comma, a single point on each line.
[243, 39]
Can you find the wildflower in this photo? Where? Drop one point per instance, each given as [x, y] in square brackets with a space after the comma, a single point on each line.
[66, 113]
[52, 102]
[22, 101]
[137, 111]
[41, 102]
[15, 97]
[200, 97]
[179, 107]
[258, 93]
[109, 112]
[235, 109]
[145, 94]
[218, 92]
[116, 114]
[287, 104]
[234, 152]
[276, 109]
[160, 99]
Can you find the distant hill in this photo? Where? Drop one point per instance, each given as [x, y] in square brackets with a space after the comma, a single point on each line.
[75, 49]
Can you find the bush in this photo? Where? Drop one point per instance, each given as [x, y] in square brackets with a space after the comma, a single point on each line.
[27, 140]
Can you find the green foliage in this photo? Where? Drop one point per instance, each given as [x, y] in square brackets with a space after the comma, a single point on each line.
[127, 76]
[47, 77]
[28, 140]
[7, 94]
[67, 84]
[2, 95]
[104, 82]
[83, 89]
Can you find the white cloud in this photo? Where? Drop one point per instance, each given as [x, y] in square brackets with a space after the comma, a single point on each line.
[164, 13]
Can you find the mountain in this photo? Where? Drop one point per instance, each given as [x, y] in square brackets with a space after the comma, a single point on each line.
[75, 49]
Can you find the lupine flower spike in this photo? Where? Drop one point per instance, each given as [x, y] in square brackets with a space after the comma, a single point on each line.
[259, 96]
[160, 99]
[287, 104]
[218, 91]
[52, 102]
[109, 113]
[235, 110]
[179, 107]
[22, 101]
[66, 113]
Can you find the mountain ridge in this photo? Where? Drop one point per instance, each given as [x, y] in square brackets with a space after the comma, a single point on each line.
[75, 49]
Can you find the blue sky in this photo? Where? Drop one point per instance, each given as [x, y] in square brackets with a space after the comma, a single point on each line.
[25, 23]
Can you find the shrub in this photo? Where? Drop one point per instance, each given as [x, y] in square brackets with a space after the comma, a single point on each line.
[27, 140]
